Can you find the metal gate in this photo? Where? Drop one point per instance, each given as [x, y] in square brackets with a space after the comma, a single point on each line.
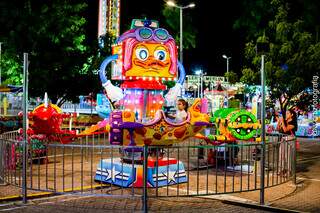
[204, 169]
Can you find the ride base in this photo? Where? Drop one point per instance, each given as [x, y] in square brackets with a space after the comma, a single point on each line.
[114, 171]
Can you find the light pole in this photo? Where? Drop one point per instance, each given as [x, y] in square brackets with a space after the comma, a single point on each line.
[227, 58]
[0, 62]
[263, 48]
[173, 4]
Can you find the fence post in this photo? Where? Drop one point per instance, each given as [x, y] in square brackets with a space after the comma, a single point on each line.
[263, 131]
[294, 161]
[25, 136]
[1, 161]
[145, 179]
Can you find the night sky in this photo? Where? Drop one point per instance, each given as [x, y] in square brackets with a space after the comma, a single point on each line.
[213, 21]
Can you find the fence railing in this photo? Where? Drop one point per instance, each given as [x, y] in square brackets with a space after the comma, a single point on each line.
[82, 108]
[187, 169]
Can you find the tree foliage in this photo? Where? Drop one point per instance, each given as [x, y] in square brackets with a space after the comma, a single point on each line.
[291, 62]
[254, 17]
[232, 77]
[11, 72]
[172, 17]
[53, 33]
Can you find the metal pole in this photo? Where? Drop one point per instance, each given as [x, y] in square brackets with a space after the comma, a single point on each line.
[181, 36]
[1, 161]
[145, 180]
[198, 86]
[25, 136]
[0, 74]
[227, 65]
[263, 130]
[201, 79]
[0, 61]
[294, 162]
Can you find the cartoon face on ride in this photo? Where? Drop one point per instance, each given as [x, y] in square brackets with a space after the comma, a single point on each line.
[243, 125]
[235, 124]
[148, 53]
[145, 56]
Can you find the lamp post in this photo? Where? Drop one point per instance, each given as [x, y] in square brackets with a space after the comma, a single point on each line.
[0, 62]
[173, 4]
[263, 48]
[227, 58]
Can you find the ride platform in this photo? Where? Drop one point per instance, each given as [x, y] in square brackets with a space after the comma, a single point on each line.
[169, 172]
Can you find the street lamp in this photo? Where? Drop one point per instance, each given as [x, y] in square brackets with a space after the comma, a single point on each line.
[226, 57]
[173, 4]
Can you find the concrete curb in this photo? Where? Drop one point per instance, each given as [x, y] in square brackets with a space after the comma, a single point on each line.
[235, 200]
[30, 196]
[48, 194]
[227, 199]
[257, 206]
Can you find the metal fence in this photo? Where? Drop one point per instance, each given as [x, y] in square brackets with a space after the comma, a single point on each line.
[206, 170]
[68, 107]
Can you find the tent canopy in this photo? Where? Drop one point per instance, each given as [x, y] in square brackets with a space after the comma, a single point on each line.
[10, 88]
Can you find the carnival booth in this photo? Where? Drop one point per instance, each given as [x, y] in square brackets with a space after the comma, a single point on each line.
[10, 105]
[309, 125]
[217, 97]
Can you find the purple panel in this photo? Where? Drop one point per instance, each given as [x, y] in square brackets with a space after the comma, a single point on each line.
[201, 123]
[116, 133]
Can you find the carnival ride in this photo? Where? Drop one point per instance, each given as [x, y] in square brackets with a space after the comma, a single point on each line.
[233, 124]
[46, 120]
[145, 58]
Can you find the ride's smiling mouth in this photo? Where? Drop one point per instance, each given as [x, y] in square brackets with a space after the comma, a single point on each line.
[151, 64]
[243, 131]
[236, 125]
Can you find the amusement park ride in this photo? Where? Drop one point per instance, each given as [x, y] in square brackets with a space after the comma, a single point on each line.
[145, 57]
[46, 122]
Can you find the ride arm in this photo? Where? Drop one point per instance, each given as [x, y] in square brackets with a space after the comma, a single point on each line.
[113, 92]
[175, 91]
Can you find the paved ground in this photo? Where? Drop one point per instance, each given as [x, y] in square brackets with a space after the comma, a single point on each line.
[305, 197]
[82, 204]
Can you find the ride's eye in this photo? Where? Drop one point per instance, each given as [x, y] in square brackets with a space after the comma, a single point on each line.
[142, 53]
[238, 119]
[238, 130]
[161, 34]
[160, 55]
[145, 33]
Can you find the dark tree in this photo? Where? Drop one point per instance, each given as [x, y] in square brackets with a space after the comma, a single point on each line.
[292, 60]
[54, 34]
